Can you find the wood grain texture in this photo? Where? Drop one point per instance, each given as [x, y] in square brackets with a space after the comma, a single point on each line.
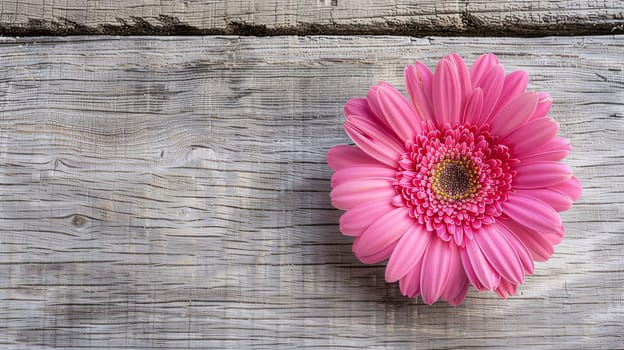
[305, 17]
[172, 193]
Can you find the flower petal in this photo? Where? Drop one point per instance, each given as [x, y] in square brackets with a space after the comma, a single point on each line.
[354, 173]
[506, 289]
[459, 298]
[457, 279]
[409, 251]
[544, 102]
[435, 270]
[349, 194]
[513, 114]
[572, 188]
[470, 273]
[472, 111]
[357, 219]
[398, 112]
[376, 257]
[485, 273]
[384, 231]
[418, 80]
[556, 199]
[343, 156]
[554, 150]
[410, 283]
[374, 140]
[458, 233]
[540, 174]
[482, 65]
[500, 253]
[537, 243]
[492, 84]
[446, 93]
[555, 236]
[531, 212]
[514, 85]
[359, 107]
[531, 136]
[519, 247]
[464, 80]
[372, 98]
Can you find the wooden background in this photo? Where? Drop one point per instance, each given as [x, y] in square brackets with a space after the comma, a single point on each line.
[305, 17]
[172, 192]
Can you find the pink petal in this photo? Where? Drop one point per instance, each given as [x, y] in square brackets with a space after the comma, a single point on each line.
[555, 149]
[552, 155]
[464, 78]
[374, 140]
[544, 102]
[482, 65]
[540, 174]
[398, 112]
[383, 232]
[506, 288]
[531, 212]
[446, 93]
[556, 199]
[380, 172]
[435, 270]
[514, 85]
[472, 111]
[513, 114]
[470, 273]
[457, 279]
[531, 136]
[500, 253]
[519, 247]
[459, 298]
[485, 273]
[409, 251]
[572, 188]
[418, 80]
[492, 83]
[372, 98]
[349, 194]
[377, 133]
[555, 236]
[360, 217]
[410, 283]
[538, 245]
[458, 234]
[343, 156]
[358, 107]
[376, 257]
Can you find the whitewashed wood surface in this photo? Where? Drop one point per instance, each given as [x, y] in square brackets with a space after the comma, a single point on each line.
[172, 193]
[261, 17]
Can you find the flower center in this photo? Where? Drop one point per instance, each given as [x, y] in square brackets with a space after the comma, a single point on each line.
[455, 179]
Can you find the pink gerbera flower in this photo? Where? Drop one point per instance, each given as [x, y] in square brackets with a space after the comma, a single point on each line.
[459, 186]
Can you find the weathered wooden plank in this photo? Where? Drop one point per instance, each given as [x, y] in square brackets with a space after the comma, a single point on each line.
[305, 17]
[172, 193]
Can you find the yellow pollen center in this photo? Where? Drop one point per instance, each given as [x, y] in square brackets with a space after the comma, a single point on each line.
[455, 179]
